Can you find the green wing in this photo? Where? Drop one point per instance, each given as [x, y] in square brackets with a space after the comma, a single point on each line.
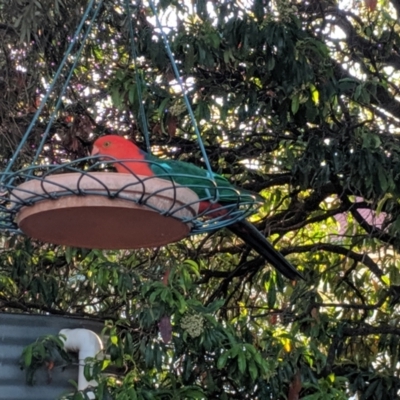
[213, 188]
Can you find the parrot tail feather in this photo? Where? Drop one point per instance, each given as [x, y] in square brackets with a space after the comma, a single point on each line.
[255, 239]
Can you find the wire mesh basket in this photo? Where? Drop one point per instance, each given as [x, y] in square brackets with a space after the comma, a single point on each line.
[96, 208]
[79, 203]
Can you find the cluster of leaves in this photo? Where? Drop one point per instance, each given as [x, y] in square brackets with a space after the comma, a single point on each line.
[46, 352]
[224, 359]
[295, 100]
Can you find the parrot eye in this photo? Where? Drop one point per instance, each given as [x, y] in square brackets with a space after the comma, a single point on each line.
[107, 144]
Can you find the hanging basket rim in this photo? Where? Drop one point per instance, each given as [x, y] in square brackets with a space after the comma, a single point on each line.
[82, 210]
[220, 206]
[113, 185]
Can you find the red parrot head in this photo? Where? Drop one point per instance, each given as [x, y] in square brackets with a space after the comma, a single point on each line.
[120, 148]
[117, 147]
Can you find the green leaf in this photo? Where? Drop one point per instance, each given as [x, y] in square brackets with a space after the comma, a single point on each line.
[149, 356]
[253, 370]
[161, 108]
[295, 104]
[87, 371]
[192, 393]
[383, 179]
[114, 339]
[193, 266]
[28, 356]
[270, 63]
[182, 306]
[215, 305]
[131, 393]
[271, 295]
[131, 94]
[314, 94]
[222, 360]
[241, 362]
[68, 254]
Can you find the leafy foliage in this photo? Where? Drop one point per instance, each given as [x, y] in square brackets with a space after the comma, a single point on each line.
[46, 352]
[296, 100]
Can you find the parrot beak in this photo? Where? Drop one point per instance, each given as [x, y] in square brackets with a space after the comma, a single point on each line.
[95, 151]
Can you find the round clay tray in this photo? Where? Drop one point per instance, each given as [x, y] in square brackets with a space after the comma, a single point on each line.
[101, 222]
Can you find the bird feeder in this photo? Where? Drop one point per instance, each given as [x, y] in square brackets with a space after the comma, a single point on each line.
[104, 210]
[79, 206]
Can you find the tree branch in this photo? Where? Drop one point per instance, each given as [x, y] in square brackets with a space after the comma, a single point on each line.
[362, 258]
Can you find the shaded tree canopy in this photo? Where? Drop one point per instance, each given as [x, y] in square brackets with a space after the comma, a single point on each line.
[295, 100]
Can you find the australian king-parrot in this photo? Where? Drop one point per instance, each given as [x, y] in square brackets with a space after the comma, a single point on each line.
[136, 161]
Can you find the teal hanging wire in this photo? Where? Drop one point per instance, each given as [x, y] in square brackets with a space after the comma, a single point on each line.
[139, 80]
[185, 97]
[64, 88]
[48, 92]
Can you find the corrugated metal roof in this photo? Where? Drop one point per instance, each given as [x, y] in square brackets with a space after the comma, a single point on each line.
[19, 330]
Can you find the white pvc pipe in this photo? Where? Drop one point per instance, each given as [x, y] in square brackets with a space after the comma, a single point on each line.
[87, 344]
